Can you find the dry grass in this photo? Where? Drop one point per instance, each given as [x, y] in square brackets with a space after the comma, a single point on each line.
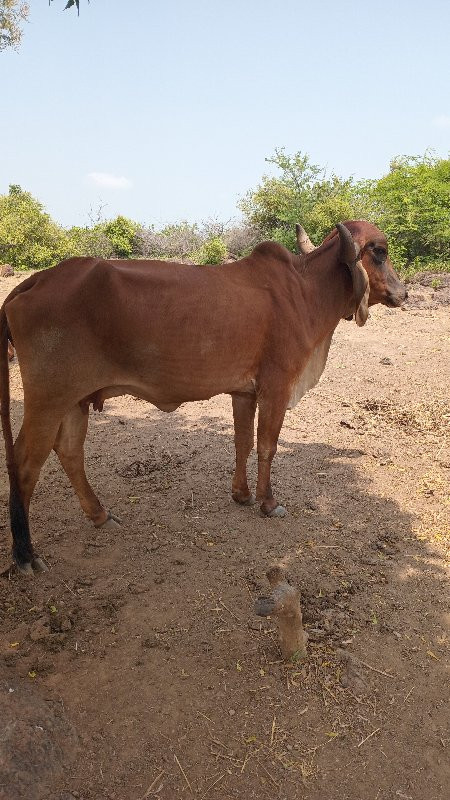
[425, 417]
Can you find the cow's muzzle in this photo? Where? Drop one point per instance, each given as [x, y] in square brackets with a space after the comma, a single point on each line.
[397, 298]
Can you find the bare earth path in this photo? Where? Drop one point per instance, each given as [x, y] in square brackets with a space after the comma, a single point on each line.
[147, 642]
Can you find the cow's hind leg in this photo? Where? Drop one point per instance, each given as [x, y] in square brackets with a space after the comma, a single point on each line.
[272, 409]
[31, 450]
[244, 407]
[69, 446]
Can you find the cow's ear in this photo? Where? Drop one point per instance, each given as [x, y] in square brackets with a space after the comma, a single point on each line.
[361, 293]
[361, 288]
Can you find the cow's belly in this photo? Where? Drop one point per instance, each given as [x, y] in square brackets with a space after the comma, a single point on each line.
[166, 400]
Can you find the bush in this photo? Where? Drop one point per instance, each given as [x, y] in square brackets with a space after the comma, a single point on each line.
[412, 207]
[213, 251]
[89, 242]
[172, 242]
[29, 239]
[122, 233]
[241, 239]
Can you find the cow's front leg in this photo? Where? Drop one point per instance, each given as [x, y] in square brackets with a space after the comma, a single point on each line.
[244, 407]
[272, 408]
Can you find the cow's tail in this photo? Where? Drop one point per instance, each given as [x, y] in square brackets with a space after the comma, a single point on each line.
[22, 549]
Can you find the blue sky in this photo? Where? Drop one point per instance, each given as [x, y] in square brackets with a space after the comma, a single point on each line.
[165, 111]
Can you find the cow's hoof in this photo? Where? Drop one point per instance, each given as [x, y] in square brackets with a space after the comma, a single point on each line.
[111, 522]
[247, 501]
[278, 511]
[25, 569]
[31, 568]
[39, 565]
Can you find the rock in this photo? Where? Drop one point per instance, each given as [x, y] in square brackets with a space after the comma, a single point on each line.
[386, 361]
[6, 270]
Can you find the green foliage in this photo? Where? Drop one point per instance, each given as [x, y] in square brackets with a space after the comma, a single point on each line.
[302, 193]
[412, 207]
[29, 239]
[213, 251]
[410, 204]
[121, 232]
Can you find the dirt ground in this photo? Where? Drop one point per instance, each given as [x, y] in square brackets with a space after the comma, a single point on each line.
[147, 642]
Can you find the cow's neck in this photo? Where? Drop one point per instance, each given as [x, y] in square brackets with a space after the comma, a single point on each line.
[327, 285]
[326, 295]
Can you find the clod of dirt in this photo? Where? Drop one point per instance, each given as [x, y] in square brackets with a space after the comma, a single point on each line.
[284, 604]
[40, 629]
[351, 677]
[345, 424]
[37, 742]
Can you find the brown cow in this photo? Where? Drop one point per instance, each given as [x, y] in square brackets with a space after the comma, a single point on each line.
[258, 329]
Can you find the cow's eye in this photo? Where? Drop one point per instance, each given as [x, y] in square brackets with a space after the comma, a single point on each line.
[379, 254]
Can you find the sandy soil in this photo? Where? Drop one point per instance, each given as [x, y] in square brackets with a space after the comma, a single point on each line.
[147, 639]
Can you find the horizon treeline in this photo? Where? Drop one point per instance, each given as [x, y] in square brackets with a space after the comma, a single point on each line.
[410, 204]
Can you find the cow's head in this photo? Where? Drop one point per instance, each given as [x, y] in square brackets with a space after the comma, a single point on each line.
[374, 278]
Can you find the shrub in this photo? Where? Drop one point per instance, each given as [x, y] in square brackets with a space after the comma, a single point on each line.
[89, 242]
[213, 251]
[29, 239]
[173, 241]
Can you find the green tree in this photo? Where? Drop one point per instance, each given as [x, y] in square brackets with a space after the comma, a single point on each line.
[302, 193]
[412, 207]
[29, 238]
[122, 234]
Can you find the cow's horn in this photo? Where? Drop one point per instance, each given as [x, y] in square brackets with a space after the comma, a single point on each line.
[349, 248]
[304, 243]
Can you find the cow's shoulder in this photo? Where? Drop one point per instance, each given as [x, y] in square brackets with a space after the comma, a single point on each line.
[272, 251]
